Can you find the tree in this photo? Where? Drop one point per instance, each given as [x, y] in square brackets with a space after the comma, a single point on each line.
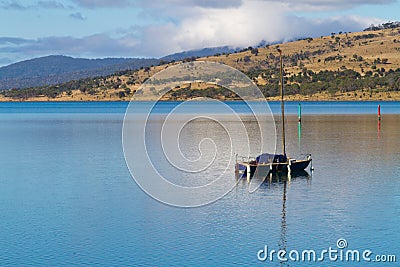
[121, 94]
[254, 51]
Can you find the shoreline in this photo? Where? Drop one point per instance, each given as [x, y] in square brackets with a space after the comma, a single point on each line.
[226, 100]
[222, 100]
[353, 96]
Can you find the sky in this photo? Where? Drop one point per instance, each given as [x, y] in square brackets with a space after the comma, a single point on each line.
[155, 28]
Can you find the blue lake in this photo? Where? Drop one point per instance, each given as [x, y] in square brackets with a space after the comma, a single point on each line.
[67, 197]
[330, 107]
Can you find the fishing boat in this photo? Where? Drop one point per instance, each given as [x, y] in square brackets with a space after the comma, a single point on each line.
[273, 163]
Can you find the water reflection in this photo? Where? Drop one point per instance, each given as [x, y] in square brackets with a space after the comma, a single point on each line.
[282, 180]
[379, 129]
[266, 178]
[299, 134]
[283, 239]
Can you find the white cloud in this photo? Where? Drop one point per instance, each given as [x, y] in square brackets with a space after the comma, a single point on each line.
[298, 4]
[324, 5]
[194, 24]
[242, 26]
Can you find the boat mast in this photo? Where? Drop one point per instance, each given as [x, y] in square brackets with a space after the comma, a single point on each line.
[282, 105]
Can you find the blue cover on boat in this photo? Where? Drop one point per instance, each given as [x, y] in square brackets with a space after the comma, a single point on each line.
[268, 158]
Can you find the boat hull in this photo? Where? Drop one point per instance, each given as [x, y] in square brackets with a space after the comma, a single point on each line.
[265, 168]
[300, 165]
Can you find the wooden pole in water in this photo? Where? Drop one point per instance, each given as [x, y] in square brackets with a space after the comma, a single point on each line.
[282, 106]
[379, 112]
[299, 112]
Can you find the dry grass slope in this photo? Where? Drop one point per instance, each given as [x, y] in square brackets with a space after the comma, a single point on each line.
[373, 53]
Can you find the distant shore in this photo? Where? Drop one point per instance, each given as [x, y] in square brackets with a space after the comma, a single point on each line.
[348, 96]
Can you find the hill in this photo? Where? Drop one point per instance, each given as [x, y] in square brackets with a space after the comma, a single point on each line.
[210, 51]
[352, 66]
[58, 69]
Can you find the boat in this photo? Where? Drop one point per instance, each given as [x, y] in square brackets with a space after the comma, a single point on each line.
[274, 163]
[266, 163]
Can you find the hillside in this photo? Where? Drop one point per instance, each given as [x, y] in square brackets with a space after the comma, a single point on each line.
[200, 53]
[58, 69]
[352, 66]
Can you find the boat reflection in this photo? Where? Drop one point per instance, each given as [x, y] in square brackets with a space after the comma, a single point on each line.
[283, 179]
[283, 238]
[267, 177]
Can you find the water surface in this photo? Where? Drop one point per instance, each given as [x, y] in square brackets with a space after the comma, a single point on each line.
[67, 197]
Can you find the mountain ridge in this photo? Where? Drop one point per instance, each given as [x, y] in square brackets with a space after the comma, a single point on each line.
[55, 69]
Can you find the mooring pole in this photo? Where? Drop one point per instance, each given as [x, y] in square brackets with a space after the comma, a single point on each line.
[282, 106]
[379, 112]
[299, 112]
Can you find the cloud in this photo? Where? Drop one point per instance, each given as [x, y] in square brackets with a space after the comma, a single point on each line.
[242, 26]
[50, 5]
[214, 29]
[191, 3]
[191, 24]
[16, 5]
[338, 2]
[12, 40]
[97, 45]
[171, 5]
[77, 16]
[12, 5]
[103, 3]
[92, 4]
[327, 5]
[306, 5]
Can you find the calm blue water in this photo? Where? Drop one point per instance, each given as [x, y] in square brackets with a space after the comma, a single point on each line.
[332, 107]
[67, 197]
